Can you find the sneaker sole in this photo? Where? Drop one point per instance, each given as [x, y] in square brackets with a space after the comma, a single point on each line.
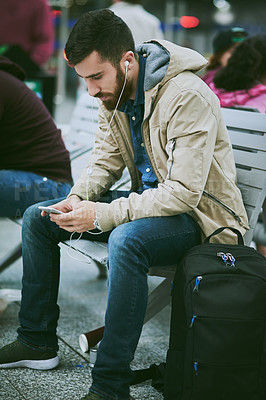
[33, 364]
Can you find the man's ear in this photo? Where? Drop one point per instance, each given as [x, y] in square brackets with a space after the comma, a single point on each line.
[127, 61]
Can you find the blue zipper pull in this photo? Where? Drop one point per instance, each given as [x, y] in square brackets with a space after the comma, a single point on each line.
[196, 287]
[192, 321]
[223, 255]
[195, 368]
[232, 259]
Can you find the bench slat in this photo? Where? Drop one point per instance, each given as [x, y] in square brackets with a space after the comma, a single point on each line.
[249, 159]
[243, 139]
[252, 177]
[244, 120]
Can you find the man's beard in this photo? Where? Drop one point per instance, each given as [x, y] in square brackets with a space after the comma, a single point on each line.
[112, 100]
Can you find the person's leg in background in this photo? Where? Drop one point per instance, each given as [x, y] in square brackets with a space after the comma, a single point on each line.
[132, 248]
[21, 189]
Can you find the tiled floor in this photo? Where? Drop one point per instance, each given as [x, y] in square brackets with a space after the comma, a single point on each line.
[82, 300]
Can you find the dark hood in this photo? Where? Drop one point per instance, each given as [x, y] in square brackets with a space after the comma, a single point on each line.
[11, 68]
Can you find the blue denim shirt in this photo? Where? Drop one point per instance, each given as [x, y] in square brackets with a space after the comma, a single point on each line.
[135, 113]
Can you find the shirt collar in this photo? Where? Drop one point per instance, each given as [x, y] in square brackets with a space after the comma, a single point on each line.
[140, 88]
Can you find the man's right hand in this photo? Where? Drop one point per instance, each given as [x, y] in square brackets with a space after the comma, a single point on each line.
[65, 205]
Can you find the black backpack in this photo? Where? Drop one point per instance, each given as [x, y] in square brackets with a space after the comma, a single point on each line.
[217, 345]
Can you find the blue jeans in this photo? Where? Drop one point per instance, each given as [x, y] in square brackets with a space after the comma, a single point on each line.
[21, 189]
[132, 248]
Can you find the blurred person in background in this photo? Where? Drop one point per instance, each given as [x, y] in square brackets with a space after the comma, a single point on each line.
[243, 81]
[224, 44]
[34, 163]
[143, 25]
[26, 32]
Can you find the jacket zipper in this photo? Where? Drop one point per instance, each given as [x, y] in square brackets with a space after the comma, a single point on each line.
[158, 175]
[224, 206]
[172, 148]
[129, 151]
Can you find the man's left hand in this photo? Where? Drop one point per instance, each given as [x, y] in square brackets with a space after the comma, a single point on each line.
[79, 220]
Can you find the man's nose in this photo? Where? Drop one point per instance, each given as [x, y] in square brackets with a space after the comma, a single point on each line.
[93, 88]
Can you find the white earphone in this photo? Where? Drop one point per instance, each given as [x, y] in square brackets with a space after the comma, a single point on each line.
[126, 64]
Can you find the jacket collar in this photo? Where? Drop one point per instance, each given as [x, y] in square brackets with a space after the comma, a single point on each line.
[166, 60]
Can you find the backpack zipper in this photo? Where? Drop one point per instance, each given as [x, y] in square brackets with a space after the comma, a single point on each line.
[225, 257]
[196, 287]
[195, 368]
[192, 321]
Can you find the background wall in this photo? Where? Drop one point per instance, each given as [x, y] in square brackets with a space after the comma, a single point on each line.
[213, 15]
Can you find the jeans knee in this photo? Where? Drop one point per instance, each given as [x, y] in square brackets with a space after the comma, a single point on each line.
[124, 242]
[121, 237]
[31, 216]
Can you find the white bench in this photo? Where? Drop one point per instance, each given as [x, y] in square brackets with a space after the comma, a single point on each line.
[239, 122]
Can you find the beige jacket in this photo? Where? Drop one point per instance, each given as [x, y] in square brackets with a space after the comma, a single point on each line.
[187, 143]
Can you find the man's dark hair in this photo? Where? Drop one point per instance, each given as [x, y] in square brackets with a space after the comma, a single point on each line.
[100, 31]
[246, 67]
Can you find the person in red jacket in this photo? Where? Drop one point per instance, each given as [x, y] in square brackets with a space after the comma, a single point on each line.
[243, 81]
[28, 25]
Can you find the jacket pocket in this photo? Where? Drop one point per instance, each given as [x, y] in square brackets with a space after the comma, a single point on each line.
[223, 205]
[185, 166]
[227, 358]
[212, 381]
[232, 342]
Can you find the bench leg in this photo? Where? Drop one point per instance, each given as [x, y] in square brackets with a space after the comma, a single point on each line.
[11, 257]
[102, 270]
[158, 299]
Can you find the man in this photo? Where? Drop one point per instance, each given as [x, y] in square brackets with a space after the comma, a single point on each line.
[169, 132]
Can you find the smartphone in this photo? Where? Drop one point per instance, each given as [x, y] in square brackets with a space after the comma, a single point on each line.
[50, 210]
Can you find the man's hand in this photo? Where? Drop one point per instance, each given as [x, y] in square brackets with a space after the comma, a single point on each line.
[66, 205]
[77, 219]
